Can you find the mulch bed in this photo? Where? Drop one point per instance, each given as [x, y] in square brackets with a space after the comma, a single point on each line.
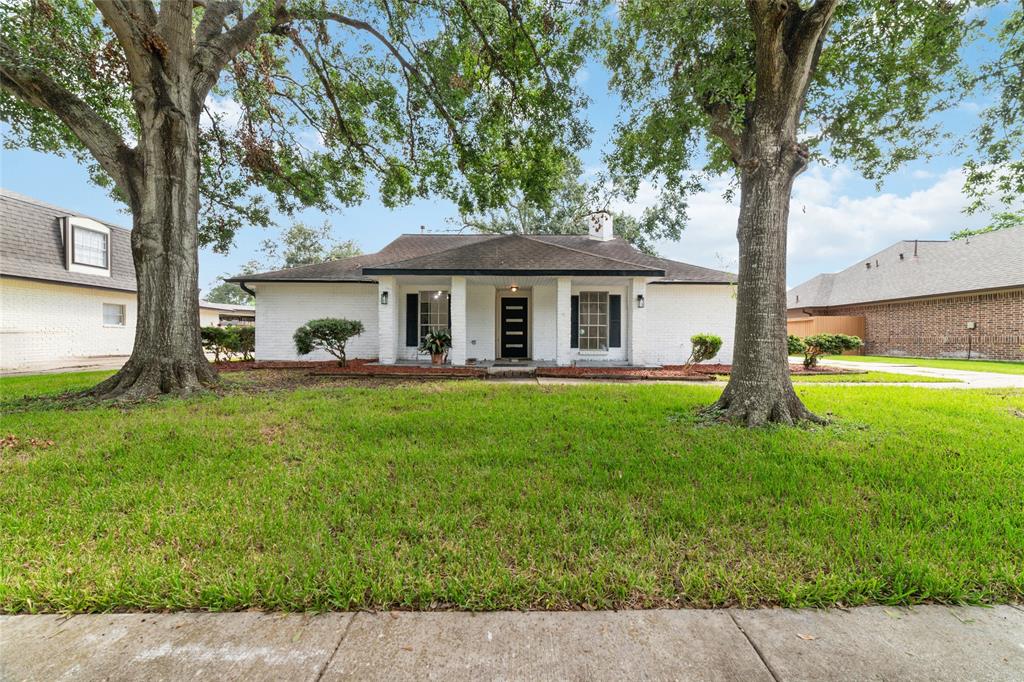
[625, 373]
[368, 369]
[359, 369]
[667, 372]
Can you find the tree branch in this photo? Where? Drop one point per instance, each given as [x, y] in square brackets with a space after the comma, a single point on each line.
[35, 87]
[719, 113]
[212, 54]
[214, 16]
[431, 87]
[134, 24]
[806, 36]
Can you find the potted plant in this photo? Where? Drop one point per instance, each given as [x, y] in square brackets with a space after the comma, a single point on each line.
[437, 343]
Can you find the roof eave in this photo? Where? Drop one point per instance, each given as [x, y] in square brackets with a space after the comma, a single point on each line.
[258, 280]
[694, 281]
[513, 272]
[106, 286]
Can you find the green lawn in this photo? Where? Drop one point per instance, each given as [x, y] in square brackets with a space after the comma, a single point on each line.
[869, 377]
[13, 387]
[998, 366]
[484, 496]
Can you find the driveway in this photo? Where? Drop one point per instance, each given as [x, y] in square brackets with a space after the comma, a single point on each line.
[85, 364]
[968, 379]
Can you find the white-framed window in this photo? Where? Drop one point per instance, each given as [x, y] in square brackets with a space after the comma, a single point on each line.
[113, 315]
[90, 247]
[593, 322]
[433, 311]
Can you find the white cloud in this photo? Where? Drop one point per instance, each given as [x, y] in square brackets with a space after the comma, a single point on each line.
[828, 228]
[229, 109]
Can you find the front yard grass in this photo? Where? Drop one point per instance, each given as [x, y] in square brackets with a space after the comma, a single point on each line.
[489, 496]
[869, 377]
[997, 366]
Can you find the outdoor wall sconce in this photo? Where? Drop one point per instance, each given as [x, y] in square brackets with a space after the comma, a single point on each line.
[639, 300]
[383, 298]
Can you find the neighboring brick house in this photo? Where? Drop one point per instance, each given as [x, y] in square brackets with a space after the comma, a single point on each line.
[560, 299]
[67, 287]
[930, 298]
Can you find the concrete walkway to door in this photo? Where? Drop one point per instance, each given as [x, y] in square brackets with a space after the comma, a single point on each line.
[868, 643]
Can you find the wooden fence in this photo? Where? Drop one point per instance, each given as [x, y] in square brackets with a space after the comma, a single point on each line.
[852, 325]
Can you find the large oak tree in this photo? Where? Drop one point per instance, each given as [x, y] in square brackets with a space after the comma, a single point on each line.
[194, 111]
[757, 90]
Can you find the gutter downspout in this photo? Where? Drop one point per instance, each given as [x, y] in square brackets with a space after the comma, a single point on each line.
[247, 289]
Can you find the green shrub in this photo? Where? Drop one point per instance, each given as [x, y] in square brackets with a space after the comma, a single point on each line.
[827, 344]
[704, 347]
[796, 345]
[227, 342]
[215, 340]
[246, 341]
[329, 333]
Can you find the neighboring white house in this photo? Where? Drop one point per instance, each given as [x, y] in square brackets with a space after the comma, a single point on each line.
[67, 287]
[560, 299]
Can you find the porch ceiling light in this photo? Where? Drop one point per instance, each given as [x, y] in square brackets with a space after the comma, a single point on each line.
[514, 288]
[639, 300]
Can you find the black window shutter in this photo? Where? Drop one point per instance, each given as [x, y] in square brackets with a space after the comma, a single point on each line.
[614, 321]
[574, 323]
[412, 320]
[449, 312]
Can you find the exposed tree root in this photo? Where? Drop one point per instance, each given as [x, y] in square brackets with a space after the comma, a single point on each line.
[142, 379]
[758, 407]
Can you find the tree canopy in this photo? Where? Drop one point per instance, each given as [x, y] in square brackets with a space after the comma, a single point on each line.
[571, 201]
[300, 244]
[314, 103]
[995, 168]
[303, 244]
[686, 72]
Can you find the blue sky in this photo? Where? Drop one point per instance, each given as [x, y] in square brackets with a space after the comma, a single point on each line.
[837, 218]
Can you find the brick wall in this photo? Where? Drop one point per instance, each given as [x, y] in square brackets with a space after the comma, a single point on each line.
[42, 322]
[937, 327]
[283, 307]
[675, 312]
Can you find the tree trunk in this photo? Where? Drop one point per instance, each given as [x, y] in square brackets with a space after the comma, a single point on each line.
[167, 356]
[759, 389]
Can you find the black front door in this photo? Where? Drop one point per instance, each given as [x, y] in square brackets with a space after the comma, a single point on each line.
[513, 327]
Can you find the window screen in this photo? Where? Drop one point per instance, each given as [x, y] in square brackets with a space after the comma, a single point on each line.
[593, 320]
[433, 311]
[113, 314]
[89, 248]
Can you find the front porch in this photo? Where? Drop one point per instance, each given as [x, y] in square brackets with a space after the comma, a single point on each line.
[545, 321]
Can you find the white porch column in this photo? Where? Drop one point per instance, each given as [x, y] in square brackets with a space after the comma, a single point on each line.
[637, 321]
[563, 321]
[460, 342]
[387, 320]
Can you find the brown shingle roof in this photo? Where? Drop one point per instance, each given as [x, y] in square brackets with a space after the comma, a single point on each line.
[498, 254]
[514, 254]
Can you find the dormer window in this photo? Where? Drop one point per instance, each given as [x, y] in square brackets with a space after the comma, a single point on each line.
[88, 246]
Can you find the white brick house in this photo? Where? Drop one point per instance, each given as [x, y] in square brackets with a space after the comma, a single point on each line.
[559, 299]
[67, 287]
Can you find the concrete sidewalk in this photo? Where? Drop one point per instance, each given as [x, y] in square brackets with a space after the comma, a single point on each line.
[967, 378]
[872, 643]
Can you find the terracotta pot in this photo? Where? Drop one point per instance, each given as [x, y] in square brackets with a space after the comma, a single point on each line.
[437, 358]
